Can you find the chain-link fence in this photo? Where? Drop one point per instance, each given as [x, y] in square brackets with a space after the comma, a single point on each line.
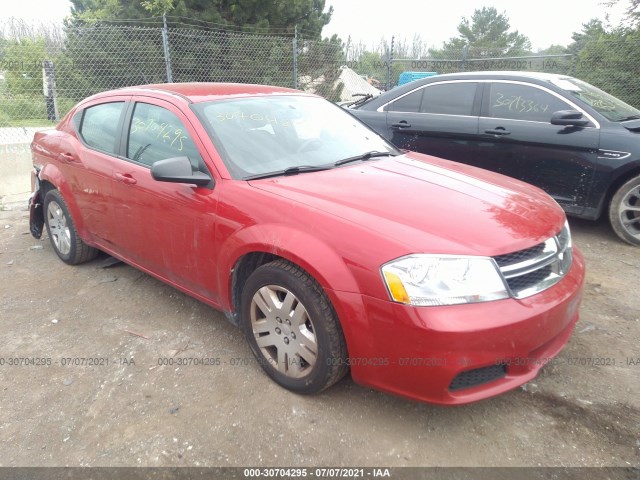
[44, 73]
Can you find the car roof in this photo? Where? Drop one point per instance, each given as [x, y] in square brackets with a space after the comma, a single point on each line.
[535, 77]
[195, 92]
[521, 74]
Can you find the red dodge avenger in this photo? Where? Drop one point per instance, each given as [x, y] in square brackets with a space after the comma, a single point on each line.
[330, 248]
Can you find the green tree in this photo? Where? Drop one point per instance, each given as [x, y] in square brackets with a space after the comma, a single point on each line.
[246, 41]
[609, 58]
[486, 34]
[553, 50]
[632, 10]
[611, 61]
[264, 16]
[319, 65]
[592, 30]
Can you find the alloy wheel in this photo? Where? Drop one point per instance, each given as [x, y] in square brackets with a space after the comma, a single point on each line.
[58, 228]
[629, 212]
[283, 331]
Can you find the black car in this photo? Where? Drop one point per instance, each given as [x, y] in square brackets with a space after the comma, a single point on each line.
[578, 143]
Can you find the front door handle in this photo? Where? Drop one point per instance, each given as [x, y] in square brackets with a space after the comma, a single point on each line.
[498, 132]
[67, 157]
[126, 178]
[401, 124]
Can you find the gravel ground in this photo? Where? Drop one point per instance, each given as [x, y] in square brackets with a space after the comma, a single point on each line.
[582, 410]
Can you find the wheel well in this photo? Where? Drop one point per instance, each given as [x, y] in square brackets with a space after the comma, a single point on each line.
[45, 187]
[613, 188]
[243, 269]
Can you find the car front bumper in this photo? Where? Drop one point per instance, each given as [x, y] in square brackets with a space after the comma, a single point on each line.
[462, 353]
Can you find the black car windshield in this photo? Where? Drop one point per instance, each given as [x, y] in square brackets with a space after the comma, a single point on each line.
[607, 105]
[260, 135]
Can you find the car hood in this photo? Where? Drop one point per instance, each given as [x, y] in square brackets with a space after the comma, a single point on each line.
[428, 204]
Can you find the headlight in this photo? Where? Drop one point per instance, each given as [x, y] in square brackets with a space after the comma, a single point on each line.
[430, 280]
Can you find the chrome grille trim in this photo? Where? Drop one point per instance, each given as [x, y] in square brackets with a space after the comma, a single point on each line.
[531, 264]
[538, 268]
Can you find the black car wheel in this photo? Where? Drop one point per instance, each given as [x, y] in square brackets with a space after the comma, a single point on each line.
[292, 328]
[62, 231]
[624, 211]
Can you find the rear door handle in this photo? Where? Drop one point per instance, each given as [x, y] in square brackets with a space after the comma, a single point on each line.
[126, 178]
[401, 124]
[498, 132]
[67, 157]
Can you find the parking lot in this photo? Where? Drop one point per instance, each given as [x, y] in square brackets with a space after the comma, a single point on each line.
[140, 401]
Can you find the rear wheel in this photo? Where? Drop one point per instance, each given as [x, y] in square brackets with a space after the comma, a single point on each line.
[62, 231]
[292, 328]
[624, 211]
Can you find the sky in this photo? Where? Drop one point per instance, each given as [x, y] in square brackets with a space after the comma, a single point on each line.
[545, 22]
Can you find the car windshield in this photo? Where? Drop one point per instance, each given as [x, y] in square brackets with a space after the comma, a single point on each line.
[607, 105]
[292, 133]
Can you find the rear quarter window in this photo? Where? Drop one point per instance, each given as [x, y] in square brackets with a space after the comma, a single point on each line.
[409, 103]
[99, 126]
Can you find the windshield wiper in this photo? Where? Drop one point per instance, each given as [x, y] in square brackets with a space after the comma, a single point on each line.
[630, 117]
[364, 98]
[363, 157]
[317, 168]
[290, 171]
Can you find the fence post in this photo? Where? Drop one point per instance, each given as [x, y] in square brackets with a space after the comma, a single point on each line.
[295, 57]
[465, 52]
[49, 90]
[165, 46]
[389, 61]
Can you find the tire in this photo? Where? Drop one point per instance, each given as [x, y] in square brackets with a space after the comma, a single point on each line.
[292, 328]
[624, 212]
[62, 231]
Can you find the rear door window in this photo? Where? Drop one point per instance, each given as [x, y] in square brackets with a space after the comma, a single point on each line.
[443, 98]
[449, 98]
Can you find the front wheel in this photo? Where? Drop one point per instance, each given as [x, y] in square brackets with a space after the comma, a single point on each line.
[624, 211]
[62, 231]
[292, 328]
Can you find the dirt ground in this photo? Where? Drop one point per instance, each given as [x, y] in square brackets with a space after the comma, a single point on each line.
[128, 410]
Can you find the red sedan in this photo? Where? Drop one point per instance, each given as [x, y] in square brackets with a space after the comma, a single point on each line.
[330, 248]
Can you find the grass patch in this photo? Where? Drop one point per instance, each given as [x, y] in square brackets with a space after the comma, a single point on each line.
[30, 122]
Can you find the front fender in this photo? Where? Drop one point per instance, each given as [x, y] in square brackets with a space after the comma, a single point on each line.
[316, 257]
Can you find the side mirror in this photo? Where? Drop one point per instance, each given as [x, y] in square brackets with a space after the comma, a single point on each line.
[569, 118]
[178, 170]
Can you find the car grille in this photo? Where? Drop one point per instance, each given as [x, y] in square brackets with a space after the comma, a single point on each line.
[535, 269]
[478, 376]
